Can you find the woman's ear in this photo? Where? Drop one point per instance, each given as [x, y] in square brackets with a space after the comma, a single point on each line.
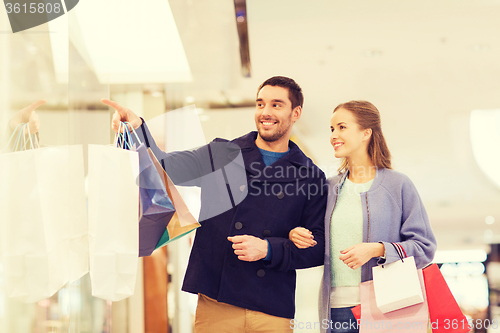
[367, 133]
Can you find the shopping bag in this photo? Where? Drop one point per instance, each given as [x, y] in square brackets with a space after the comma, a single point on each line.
[356, 311]
[396, 284]
[77, 220]
[156, 208]
[445, 314]
[113, 211]
[412, 318]
[182, 222]
[43, 220]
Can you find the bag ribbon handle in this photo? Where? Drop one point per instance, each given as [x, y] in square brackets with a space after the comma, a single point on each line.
[400, 250]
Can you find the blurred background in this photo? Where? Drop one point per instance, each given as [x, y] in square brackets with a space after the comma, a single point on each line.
[431, 67]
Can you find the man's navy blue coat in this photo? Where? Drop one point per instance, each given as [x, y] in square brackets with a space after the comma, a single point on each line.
[289, 193]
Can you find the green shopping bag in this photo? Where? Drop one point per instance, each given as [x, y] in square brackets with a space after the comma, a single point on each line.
[182, 222]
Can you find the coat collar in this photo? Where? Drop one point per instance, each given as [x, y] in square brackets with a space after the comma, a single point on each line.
[281, 169]
[379, 176]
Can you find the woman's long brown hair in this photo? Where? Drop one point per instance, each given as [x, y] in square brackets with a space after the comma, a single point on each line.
[368, 116]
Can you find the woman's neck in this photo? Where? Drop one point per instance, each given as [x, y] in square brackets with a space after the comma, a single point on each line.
[361, 169]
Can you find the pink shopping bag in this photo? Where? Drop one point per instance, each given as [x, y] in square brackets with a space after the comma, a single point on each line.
[411, 319]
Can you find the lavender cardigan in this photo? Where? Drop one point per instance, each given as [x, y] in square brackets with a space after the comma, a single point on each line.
[392, 212]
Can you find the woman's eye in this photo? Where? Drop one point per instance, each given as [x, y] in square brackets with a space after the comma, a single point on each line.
[342, 127]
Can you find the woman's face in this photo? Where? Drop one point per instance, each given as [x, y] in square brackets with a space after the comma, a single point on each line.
[347, 139]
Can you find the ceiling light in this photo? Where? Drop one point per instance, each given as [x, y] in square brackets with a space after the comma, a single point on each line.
[488, 236]
[204, 117]
[156, 94]
[372, 53]
[480, 47]
[490, 220]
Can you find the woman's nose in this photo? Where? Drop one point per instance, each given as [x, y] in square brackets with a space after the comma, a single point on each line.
[333, 137]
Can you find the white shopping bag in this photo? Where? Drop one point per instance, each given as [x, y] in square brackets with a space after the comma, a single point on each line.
[113, 202]
[410, 319]
[42, 220]
[78, 223]
[397, 285]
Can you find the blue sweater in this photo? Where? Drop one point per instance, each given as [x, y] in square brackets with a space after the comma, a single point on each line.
[392, 212]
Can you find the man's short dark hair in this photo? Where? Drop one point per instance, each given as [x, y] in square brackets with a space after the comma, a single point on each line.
[294, 90]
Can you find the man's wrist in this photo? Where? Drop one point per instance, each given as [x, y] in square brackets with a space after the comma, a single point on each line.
[138, 123]
[268, 251]
[12, 124]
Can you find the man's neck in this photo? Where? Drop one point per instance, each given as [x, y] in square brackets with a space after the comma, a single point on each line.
[279, 146]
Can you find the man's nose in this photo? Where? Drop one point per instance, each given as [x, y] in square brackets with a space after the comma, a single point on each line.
[267, 111]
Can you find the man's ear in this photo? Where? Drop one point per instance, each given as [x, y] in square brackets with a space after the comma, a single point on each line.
[296, 113]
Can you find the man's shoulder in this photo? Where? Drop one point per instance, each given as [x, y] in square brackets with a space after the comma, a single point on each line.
[301, 160]
[243, 141]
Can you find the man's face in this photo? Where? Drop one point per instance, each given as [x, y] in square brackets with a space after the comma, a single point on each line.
[273, 113]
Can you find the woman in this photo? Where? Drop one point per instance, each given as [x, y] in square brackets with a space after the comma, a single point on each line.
[369, 206]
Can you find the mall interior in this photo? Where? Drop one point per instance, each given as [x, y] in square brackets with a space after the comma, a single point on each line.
[191, 69]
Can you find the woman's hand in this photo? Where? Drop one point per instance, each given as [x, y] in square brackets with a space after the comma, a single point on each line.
[359, 254]
[302, 238]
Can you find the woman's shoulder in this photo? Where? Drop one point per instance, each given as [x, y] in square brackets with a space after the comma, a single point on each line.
[389, 178]
[332, 180]
[393, 178]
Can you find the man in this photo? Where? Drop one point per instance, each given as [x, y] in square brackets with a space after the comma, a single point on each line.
[242, 264]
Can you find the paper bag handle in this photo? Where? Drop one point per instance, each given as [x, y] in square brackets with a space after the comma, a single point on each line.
[21, 142]
[125, 139]
[133, 131]
[400, 251]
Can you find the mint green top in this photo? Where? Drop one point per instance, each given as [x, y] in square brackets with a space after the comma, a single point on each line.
[346, 231]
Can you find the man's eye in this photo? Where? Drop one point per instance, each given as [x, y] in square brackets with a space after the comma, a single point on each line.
[276, 105]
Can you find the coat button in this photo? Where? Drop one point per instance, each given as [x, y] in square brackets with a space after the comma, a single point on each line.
[261, 273]
[280, 195]
[266, 233]
[242, 188]
[238, 225]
